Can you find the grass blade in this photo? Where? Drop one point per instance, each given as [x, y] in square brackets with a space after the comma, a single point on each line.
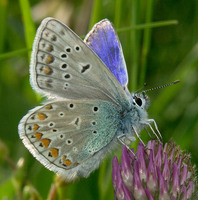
[14, 53]
[3, 16]
[146, 42]
[118, 10]
[96, 13]
[29, 26]
[149, 25]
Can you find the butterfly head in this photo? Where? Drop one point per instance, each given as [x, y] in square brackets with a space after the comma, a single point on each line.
[141, 100]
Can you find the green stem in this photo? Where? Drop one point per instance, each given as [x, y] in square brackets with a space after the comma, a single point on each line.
[146, 42]
[118, 10]
[149, 25]
[133, 70]
[29, 26]
[3, 27]
[96, 13]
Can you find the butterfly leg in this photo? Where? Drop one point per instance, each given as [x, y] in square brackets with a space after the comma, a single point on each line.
[155, 124]
[138, 136]
[147, 123]
[148, 132]
[121, 141]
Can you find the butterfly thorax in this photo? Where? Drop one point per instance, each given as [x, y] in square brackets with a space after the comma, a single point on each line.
[134, 117]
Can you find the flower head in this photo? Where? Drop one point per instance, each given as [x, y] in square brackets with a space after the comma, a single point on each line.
[154, 172]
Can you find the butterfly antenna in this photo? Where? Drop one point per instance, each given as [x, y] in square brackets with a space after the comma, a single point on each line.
[162, 86]
[145, 84]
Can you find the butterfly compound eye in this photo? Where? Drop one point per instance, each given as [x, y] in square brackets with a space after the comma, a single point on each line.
[138, 101]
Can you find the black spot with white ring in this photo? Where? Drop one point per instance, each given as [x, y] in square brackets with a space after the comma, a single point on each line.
[61, 114]
[71, 105]
[64, 66]
[77, 48]
[51, 124]
[61, 136]
[68, 50]
[67, 76]
[63, 55]
[95, 109]
[93, 123]
[69, 141]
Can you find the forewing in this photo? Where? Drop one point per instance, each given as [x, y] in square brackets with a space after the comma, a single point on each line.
[65, 136]
[64, 66]
[103, 40]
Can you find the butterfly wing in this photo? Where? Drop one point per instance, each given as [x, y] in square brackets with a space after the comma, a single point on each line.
[103, 40]
[70, 137]
[64, 66]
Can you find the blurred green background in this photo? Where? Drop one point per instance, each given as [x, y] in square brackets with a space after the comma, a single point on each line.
[156, 53]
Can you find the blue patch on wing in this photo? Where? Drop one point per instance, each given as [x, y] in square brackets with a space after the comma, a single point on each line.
[103, 40]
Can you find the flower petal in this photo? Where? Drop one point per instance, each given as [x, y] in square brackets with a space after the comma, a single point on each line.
[163, 189]
[166, 170]
[138, 190]
[126, 173]
[141, 162]
[151, 175]
[175, 185]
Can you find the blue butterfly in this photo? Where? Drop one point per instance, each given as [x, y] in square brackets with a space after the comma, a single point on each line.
[89, 109]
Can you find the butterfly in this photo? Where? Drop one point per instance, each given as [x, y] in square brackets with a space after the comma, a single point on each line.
[89, 110]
